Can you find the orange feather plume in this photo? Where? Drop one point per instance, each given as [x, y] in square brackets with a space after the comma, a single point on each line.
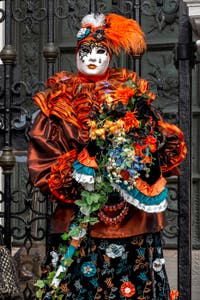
[124, 33]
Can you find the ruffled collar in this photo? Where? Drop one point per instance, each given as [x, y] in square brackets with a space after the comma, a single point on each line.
[70, 96]
[92, 79]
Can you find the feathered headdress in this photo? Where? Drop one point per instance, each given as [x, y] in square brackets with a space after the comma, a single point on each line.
[114, 31]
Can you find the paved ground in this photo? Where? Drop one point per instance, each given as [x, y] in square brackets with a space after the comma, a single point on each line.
[171, 265]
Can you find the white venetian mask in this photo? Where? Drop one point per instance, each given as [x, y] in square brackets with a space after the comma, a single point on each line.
[92, 59]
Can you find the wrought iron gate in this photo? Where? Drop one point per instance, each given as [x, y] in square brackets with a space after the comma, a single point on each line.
[38, 29]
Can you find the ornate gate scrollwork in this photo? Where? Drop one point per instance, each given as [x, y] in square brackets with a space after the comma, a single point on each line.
[165, 13]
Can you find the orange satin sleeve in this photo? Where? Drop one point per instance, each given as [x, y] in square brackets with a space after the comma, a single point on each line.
[47, 145]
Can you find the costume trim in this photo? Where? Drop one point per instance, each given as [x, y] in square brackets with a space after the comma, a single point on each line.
[148, 204]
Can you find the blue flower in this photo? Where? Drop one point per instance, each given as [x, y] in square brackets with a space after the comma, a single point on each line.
[143, 276]
[118, 162]
[88, 269]
[141, 251]
[138, 166]
[132, 172]
[115, 153]
[94, 282]
[83, 32]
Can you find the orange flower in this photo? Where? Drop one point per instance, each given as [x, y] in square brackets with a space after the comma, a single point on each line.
[116, 126]
[130, 121]
[124, 94]
[174, 295]
[92, 124]
[143, 85]
[147, 160]
[138, 149]
[152, 97]
[107, 124]
[64, 288]
[97, 132]
[152, 143]
[133, 76]
[109, 99]
[101, 132]
[127, 289]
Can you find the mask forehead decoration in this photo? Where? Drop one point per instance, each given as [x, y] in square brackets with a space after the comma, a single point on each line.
[113, 31]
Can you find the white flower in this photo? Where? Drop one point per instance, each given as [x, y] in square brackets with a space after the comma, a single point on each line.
[114, 250]
[158, 263]
[55, 258]
[96, 20]
[85, 212]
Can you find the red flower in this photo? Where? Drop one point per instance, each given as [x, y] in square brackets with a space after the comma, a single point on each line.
[125, 174]
[127, 289]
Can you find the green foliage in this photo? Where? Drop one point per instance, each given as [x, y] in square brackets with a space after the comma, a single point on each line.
[68, 262]
[65, 236]
[62, 275]
[39, 283]
[92, 201]
[39, 294]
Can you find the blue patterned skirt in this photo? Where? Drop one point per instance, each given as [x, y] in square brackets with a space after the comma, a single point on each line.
[128, 268]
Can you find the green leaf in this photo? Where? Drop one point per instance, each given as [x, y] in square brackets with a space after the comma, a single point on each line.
[39, 294]
[91, 220]
[65, 236]
[128, 164]
[89, 200]
[68, 262]
[62, 249]
[102, 116]
[74, 231]
[131, 103]
[62, 275]
[79, 202]
[95, 207]
[39, 283]
[51, 274]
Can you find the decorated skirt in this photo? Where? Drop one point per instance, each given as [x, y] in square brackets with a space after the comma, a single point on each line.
[129, 268]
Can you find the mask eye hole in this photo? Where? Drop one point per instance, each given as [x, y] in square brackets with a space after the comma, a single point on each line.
[101, 51]
[85, 50]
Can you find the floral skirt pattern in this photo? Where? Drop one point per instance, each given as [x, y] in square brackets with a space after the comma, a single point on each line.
[129, 268]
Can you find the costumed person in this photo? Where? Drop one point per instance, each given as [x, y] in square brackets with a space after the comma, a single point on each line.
[101, 150]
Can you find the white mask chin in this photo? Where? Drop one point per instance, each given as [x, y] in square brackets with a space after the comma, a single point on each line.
[92, 59]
